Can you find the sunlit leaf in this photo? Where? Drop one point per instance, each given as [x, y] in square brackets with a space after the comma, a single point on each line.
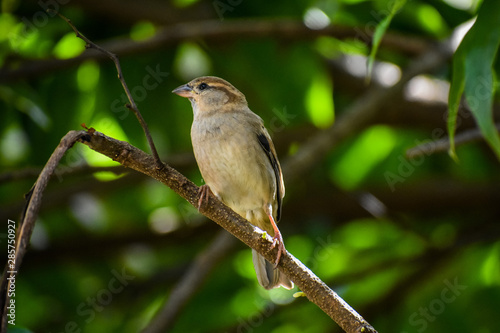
[69, 46]
[142, 30]
[490, 271]
[319, 102]
[430, 19]
[26, 39]
[7, 25]
[87, 76]
[366, 152]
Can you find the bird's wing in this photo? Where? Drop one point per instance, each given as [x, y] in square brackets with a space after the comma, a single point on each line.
[267, 145]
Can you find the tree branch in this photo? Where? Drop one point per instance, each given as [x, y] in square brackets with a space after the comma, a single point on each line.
[443, 145]
[316, 290]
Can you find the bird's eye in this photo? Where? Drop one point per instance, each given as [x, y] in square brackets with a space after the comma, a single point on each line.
[203, 86]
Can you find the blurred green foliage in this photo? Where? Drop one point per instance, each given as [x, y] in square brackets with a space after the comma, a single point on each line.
[413, 244]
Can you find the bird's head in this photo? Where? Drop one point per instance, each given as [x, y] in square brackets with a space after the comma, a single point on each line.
[210, 93]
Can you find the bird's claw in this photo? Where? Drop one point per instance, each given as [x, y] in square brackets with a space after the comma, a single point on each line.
[204, 192]
[278, 240]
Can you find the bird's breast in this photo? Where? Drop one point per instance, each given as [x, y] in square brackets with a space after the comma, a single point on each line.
[232, 163]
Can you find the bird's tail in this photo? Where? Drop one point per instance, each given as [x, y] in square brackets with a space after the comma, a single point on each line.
[268, 276]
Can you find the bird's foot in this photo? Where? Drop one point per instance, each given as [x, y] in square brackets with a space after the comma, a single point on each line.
[278, 241]
[204, 192]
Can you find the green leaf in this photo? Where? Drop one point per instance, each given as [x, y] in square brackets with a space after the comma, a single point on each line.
[142, 30]
[379, 33]
[368, 150]
[473, 75]
[69, 46]
[319, 102]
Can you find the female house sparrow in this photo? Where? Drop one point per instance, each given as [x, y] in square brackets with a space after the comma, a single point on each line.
[238, 162]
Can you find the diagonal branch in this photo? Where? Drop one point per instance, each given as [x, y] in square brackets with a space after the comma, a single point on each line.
[316, 290]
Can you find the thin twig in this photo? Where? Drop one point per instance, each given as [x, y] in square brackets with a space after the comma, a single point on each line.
[132, 106]
[27, 222]
[443, 145]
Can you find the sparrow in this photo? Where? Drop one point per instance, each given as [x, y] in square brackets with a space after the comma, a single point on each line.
[238, 162]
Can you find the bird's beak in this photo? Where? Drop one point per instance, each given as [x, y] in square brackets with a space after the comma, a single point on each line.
[184, 91]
